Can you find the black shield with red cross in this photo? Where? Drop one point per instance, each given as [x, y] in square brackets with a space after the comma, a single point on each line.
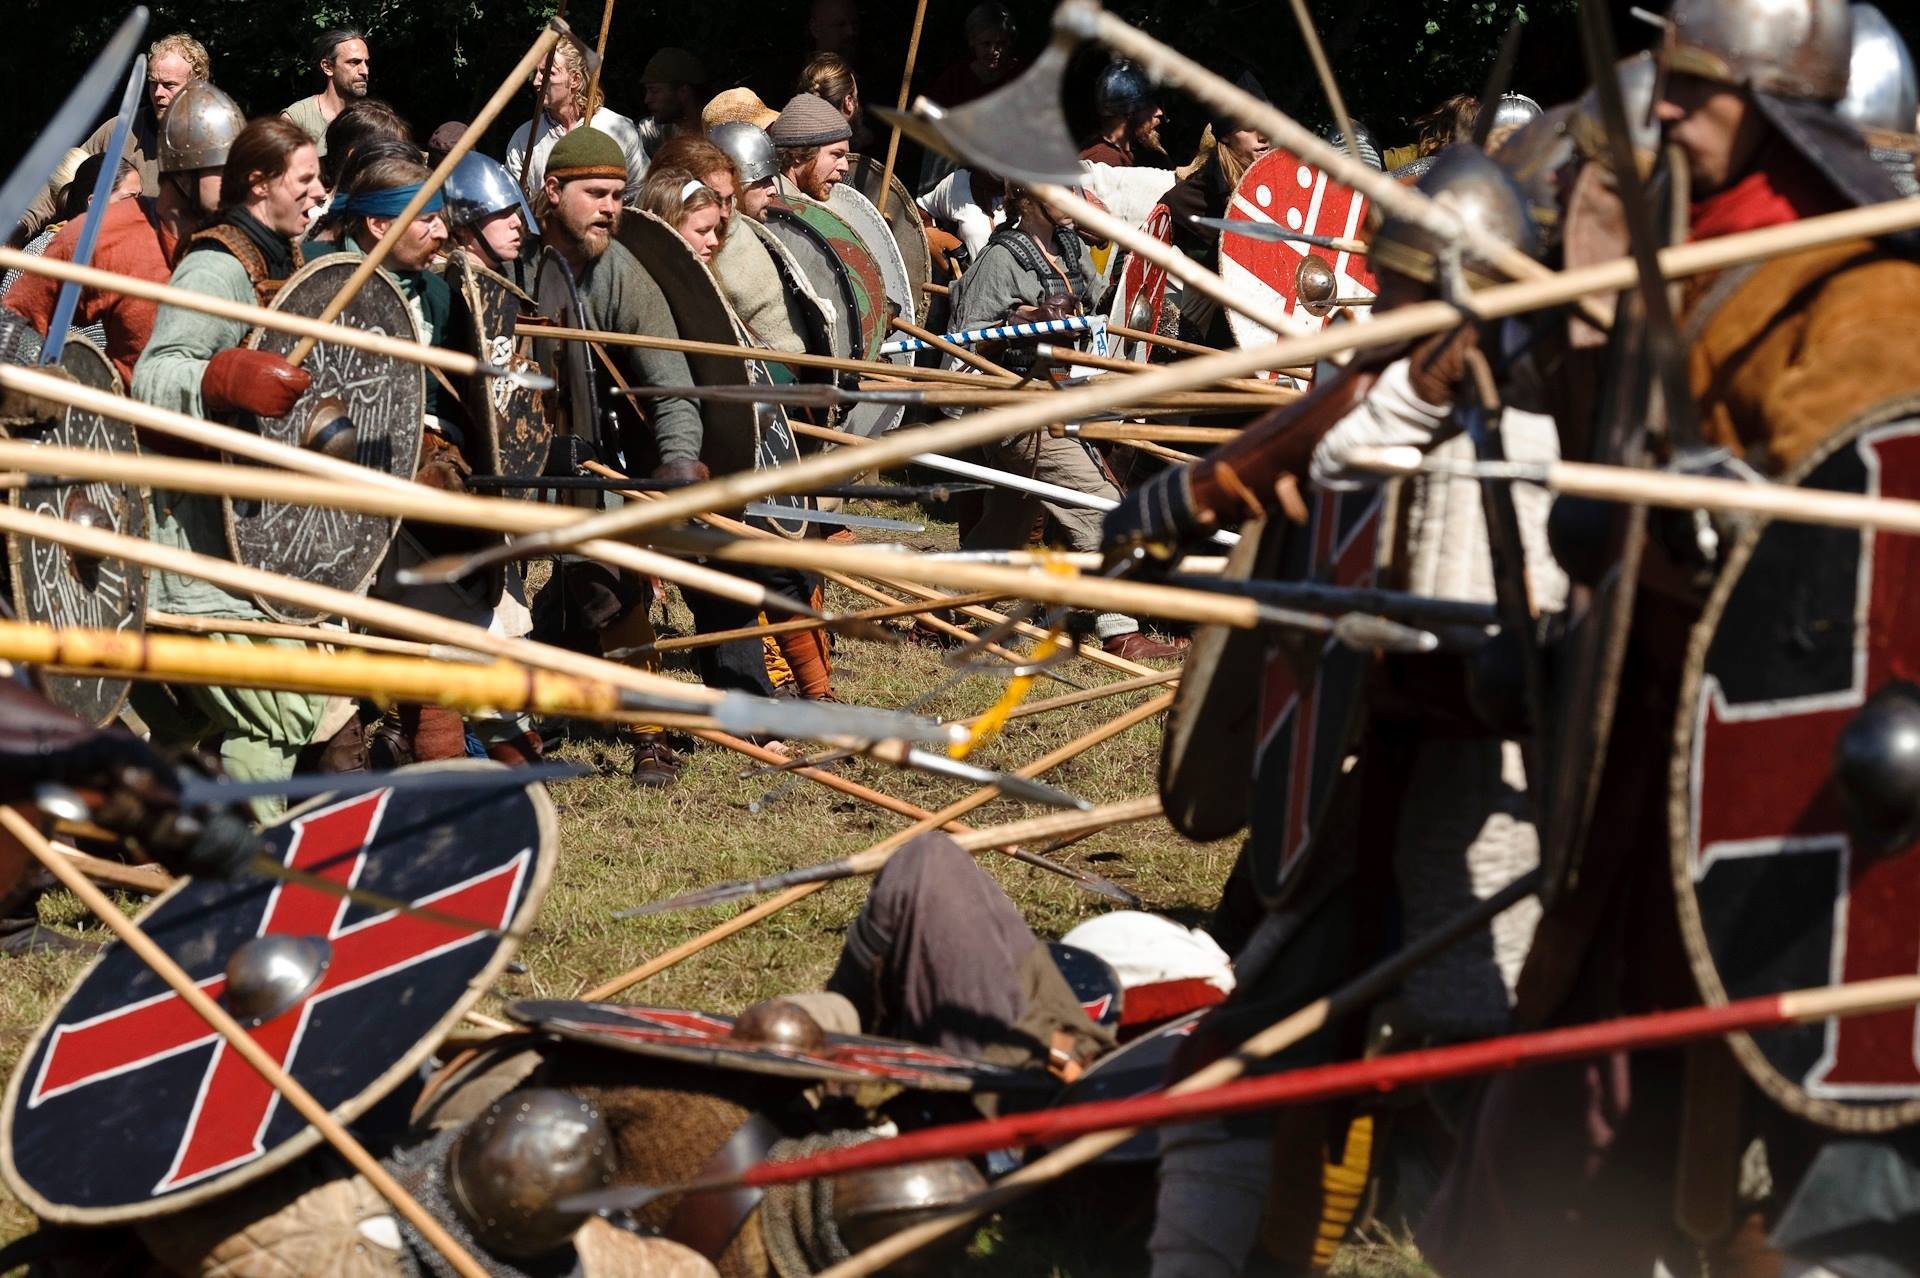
[707, 1038]
[128, 1105]
[1779, 886]
[1312, 691]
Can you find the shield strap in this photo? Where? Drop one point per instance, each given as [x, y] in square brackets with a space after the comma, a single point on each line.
[248, 254]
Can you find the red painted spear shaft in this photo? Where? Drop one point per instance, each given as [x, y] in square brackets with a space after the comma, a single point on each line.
[1382, 1074]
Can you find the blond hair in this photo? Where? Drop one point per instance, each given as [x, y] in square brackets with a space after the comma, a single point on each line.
[185, 47]
[566, 61]
[673, 195]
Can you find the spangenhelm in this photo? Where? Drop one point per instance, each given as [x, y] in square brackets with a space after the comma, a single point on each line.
[1882, 91]
[1478, 192]
[750, 148]
[1788, 48]
[478, 188]
[199, 128]
[525, 1154]
[1122, 91]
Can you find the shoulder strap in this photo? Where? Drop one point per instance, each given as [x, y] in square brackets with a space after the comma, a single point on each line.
[247, 253]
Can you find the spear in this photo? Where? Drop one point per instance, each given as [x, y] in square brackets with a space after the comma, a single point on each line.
[1377, 1076]
[851, 492]
[1274, 233]
[996, 838]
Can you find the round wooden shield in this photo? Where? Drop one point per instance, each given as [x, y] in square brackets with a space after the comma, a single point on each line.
[776, 446]
[126, 1105]
[1780, 887]
[862, 271]
[574, 403]
[1140, 293]
[814, 320]
[53, 585]
[1281, 189]
[705, 1038]
[822, 267]
[902, 295]
[384, 398]
[513, 421]
[865, 174]
[701, 314]
[1140, 1068]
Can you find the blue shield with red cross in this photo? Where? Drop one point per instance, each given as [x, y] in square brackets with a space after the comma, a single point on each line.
[1312, 691]
[1781, 885]
[128, 1105]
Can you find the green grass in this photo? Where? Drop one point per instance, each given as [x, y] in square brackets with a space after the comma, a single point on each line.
[621, 846]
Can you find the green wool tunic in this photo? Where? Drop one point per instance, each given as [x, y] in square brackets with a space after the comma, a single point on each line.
[619, 296]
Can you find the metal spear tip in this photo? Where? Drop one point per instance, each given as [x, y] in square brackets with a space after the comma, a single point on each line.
[525, 379]
[1364, 632]
[60, 803]
[745, 715]
[447, 569]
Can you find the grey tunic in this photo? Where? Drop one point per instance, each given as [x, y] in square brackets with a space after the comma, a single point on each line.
[618, 295]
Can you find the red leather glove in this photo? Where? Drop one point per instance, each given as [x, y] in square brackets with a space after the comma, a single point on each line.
[240, 380]
[686, 470]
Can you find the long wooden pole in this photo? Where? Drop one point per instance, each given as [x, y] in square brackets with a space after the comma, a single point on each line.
[1132, 368]
[540, 83]
[431, 187]
[971, 358]
[712, 637]
[456, 363]
[893, 842]
[1324, 69]
[329, 636]
[725, 350]
[906, 89]
[1155, 434]
[302, 1101]
[593, 81]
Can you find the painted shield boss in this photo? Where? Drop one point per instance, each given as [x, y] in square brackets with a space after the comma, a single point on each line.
[53, 585]
[126, 1105]
[362, 407]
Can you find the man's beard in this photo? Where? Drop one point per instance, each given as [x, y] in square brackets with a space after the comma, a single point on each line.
[592, 241]
[815, 185]
[1149, 137]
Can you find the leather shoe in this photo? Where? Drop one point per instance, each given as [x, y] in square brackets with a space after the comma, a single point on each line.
[654, 765]
[1135, 645]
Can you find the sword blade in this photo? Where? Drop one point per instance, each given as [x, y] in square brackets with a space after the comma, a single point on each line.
[804, 515]
[71, 122]
[1273, 232]
[205, 792]
[103, 182]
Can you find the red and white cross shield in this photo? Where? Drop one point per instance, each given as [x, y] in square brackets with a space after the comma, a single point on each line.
[128, 1104]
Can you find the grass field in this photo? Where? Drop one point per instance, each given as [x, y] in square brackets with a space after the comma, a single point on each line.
[621, 846]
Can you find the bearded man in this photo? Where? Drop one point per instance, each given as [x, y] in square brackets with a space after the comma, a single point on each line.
[198, 364]
[343, 59]
[1130, 118]
[675, 84]
[173, 62]
[812, 138]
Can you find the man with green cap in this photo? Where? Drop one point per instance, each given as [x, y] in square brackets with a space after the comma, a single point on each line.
[812, 138]
[676, 86]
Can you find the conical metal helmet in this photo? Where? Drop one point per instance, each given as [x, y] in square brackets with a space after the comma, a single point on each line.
[1639, 78]
[1122, 91]
[1787, 48]
[199, 128]
[750, 149]
[1513, 111]
[479, 187]
[1882, 91]
[1478, 192]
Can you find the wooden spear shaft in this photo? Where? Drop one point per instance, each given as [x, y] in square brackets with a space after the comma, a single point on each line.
[431, 187]
[331, 1129]
[724, 350]
[456, 363]
[906, 88]
[773, 905]
[971, 358]
[713, 637]
[599, 60]
[1193, 348]
[1111, 364]
[330, 636]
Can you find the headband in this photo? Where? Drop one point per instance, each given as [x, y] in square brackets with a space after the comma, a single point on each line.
[388, 203]
[693, 184]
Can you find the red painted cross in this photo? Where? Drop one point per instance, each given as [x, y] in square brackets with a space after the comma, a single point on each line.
[234, 1104]
[1287, 704]
[1746, 807]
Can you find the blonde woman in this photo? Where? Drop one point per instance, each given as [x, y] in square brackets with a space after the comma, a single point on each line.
[563, 108]
[689, 206]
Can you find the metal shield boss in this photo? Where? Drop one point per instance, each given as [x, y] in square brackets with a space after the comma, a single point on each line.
[126, 1105]
[57, 587]
[1312, 689]
[760, 1044]
[1300, 280]
[1795, 779]
[514, 421]
[361, 407]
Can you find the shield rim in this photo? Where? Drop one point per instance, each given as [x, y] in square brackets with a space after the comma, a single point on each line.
[1246, 332]
[873, 420]
[539, 878]
[775, 1068]
[846, 325]
[820, 334]
[918, 257]
[136, 572]
[290, 614]
[866, 320]
[1121, 304]
[1134, 1150]
[458, 260]
[1841, 1116]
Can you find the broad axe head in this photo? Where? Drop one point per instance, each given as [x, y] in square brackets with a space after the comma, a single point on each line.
[1018, 131]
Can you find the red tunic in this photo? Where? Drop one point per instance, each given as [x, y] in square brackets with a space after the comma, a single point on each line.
[132, 242]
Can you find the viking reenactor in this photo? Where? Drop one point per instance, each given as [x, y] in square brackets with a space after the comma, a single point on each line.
[345, 63]
[486, 214]
[744, 263]
[834, 26]
[563, 109]
[1035, 268]
[1668, 1155]
[196, 364]
[990, 61]
[1130, 116]
[812, 139]
[141, 237]
[363, 123]
[737, 106]
[676, 88]
[692, 208]
[1206, 192]
[1430, 816]
[173, 62]
[829, 77]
